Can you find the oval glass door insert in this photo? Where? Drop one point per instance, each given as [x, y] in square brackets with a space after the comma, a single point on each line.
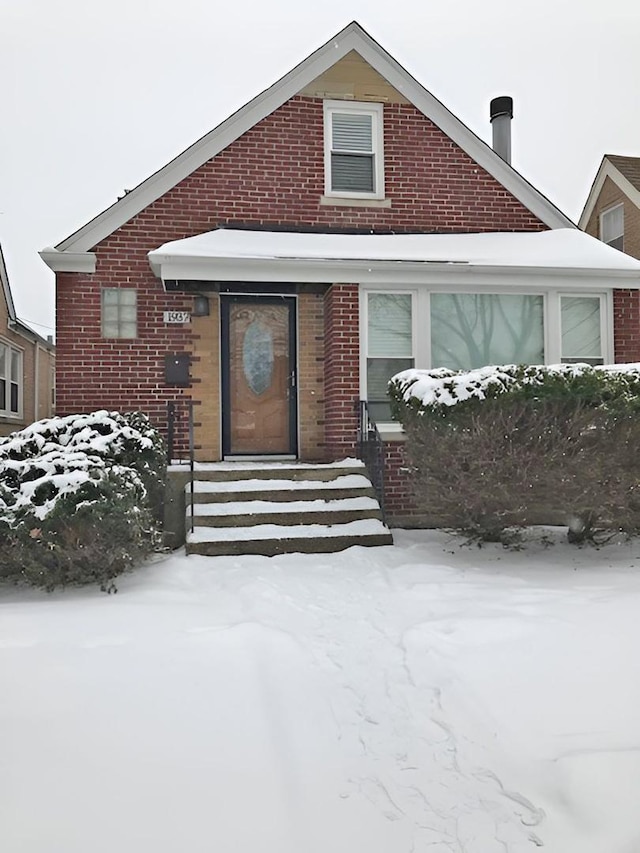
[257, 357]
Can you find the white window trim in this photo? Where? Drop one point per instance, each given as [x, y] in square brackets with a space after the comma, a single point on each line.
[420, 306]
[605, 213]
[7, 413]
[376, 111]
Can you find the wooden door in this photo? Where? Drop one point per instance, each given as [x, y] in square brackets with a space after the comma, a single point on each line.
[258, 375]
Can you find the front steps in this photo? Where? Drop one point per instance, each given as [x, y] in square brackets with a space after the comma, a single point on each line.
[280, 508]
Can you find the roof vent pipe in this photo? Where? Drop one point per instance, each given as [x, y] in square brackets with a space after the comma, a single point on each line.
[500, 114]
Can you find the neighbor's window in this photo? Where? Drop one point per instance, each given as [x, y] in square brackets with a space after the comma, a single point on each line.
[612, 226]
[119, 312]
[472, 330]
[10, 381]
[580, 321]
[389, 346]
[353, 149]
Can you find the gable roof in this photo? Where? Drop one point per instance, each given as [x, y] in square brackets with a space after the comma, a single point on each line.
[351, 38]
[16, 324]
[625, 174]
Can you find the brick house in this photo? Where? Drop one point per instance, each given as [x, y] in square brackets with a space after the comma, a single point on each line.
[341, 226]
[612, 210]
[27, 367]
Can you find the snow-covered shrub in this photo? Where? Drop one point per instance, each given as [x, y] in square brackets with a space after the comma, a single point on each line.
[80, 497]
[506, 446]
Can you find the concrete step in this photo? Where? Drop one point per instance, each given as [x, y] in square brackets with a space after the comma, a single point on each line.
[343, 486]
[232, 471]
[294, 512]
[272, 539]
[282, 507]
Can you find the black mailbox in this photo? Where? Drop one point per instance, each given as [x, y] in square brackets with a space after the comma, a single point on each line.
[176, 368]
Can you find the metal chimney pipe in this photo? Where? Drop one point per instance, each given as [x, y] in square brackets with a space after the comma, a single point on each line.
[500, 115]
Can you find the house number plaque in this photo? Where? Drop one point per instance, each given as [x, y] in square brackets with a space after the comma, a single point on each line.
[177, 316]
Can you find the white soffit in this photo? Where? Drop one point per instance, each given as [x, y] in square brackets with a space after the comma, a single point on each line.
[607, 170]
[228, 254]
[353, 37]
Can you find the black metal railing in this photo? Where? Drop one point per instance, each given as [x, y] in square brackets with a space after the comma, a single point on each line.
[371, 450]
[180, 441]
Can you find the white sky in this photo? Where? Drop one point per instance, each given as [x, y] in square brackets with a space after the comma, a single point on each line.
[95, 96]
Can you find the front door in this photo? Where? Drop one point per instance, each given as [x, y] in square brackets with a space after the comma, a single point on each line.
[258, 336]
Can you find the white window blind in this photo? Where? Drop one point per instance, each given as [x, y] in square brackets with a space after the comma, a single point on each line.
[580, 322]
[390, 346]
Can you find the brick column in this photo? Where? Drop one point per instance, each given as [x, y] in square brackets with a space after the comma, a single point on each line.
[626, 324]
[342, 369]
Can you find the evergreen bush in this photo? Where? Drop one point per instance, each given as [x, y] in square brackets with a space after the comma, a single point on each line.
[80, 498]
[502, 447]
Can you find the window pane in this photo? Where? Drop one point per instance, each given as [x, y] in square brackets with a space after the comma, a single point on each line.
[109, 330]
[15, 366]
[580, 317]
[14, 398]
[127, 296]
[3, 361]
[472, 330]
[389, 325]
[351, 132]
[110, 296]
[379, 372]
[613, 225]
[127, 330]
[128, 312]
[352, 173]
[3, 395]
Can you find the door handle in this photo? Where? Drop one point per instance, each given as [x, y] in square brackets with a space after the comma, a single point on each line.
[292, 379]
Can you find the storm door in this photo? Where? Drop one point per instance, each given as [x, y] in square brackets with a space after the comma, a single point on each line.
[258, 337]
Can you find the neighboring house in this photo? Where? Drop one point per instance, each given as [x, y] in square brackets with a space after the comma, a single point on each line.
[612, 211]
[27, 367]
[340, 227]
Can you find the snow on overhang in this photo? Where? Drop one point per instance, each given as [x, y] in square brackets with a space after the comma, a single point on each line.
[228, 254]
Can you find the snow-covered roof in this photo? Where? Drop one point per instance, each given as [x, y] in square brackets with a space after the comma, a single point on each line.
[258, 255]
[76, 249]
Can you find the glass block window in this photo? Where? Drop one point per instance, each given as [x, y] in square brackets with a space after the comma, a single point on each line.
[581, 329]
[612, 227]
[353, 149]
[119, 312]
[389, 346]
[472, 330]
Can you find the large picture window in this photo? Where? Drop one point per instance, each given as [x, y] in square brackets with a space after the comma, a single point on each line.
[353, 150]
[11, 381]
[429, 328]
[471, 330]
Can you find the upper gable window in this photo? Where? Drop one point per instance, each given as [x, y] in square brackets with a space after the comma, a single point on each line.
[612, 226]
[353, 137]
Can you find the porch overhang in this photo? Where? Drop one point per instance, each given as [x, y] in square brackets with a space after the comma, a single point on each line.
[479, 259]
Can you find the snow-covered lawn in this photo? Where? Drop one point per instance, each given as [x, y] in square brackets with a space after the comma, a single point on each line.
[421, 698]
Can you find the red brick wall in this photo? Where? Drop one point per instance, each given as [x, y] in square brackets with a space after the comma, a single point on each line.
[626, 324]
[342, 369]
[273, 174]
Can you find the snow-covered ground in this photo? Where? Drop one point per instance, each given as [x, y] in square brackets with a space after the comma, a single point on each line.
[421, 698]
